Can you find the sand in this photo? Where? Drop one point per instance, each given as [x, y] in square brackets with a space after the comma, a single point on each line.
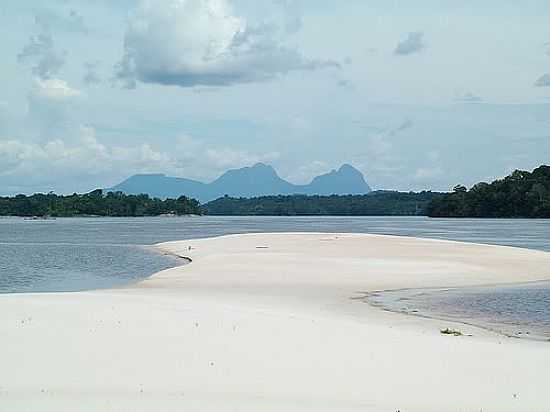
[268, 322]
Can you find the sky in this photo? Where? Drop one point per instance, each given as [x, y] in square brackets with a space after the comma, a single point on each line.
[417, 95]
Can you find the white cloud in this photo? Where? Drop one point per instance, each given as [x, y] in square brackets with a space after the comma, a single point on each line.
[203, 43]
[82, 162]
[54, 89]
[82, 155]
[201, 160]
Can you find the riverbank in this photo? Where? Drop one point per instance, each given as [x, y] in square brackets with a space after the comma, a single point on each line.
[518, 310]
[270, 322]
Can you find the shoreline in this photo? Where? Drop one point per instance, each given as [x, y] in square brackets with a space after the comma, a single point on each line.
[375, 298]
[381, 300]
[263, 321]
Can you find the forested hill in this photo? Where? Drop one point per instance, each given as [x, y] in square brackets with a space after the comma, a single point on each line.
[374, 204]
[95, 203]
[519, 195]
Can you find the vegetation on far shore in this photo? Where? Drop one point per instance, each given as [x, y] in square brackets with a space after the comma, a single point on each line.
[95, 203]
[521, 194]
[98, 203]
[380, 203]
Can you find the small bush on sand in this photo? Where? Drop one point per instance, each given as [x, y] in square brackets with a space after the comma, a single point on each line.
[454, 332]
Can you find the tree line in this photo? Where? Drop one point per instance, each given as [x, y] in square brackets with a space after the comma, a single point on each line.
[95, 203]
[522, 194]
[372, 204]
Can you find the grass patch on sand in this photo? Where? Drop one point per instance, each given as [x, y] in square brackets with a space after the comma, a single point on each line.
[454, 332]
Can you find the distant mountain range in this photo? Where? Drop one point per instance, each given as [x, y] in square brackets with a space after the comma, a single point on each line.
[258, 180]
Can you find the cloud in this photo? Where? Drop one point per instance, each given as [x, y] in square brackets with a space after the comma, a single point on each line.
[81, 162]
[72, 22]
[225, 157]
[382, 156]
[91, 76]
[51, 103]
[306, 172]
[191, 43]
[40, 52]
[414, 43]
[468, 98]
[431, 169]
[54, 89]
[543, 81]
[406, 124]
[199, 159]
[78, 163]
[291, 15]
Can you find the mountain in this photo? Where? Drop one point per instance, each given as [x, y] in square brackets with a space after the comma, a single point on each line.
[162, 186]
[257, 180]
[345, 181]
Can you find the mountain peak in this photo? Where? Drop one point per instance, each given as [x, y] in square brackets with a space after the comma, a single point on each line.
[346, 180]
[257, 180]
[257, 170]
[261, 168]
[261, 165]
[346, 168]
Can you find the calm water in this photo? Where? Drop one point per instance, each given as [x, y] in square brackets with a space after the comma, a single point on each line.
[82, 253]
[519, 310]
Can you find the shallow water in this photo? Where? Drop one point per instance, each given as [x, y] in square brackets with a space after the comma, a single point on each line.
[521, 310]
[88, 253]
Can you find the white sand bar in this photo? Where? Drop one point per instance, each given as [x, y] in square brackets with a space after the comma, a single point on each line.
[267, 323]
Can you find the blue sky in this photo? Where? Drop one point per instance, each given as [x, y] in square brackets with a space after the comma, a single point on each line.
[416, 96]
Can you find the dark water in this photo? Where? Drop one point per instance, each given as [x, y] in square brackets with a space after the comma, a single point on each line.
[89, 253]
